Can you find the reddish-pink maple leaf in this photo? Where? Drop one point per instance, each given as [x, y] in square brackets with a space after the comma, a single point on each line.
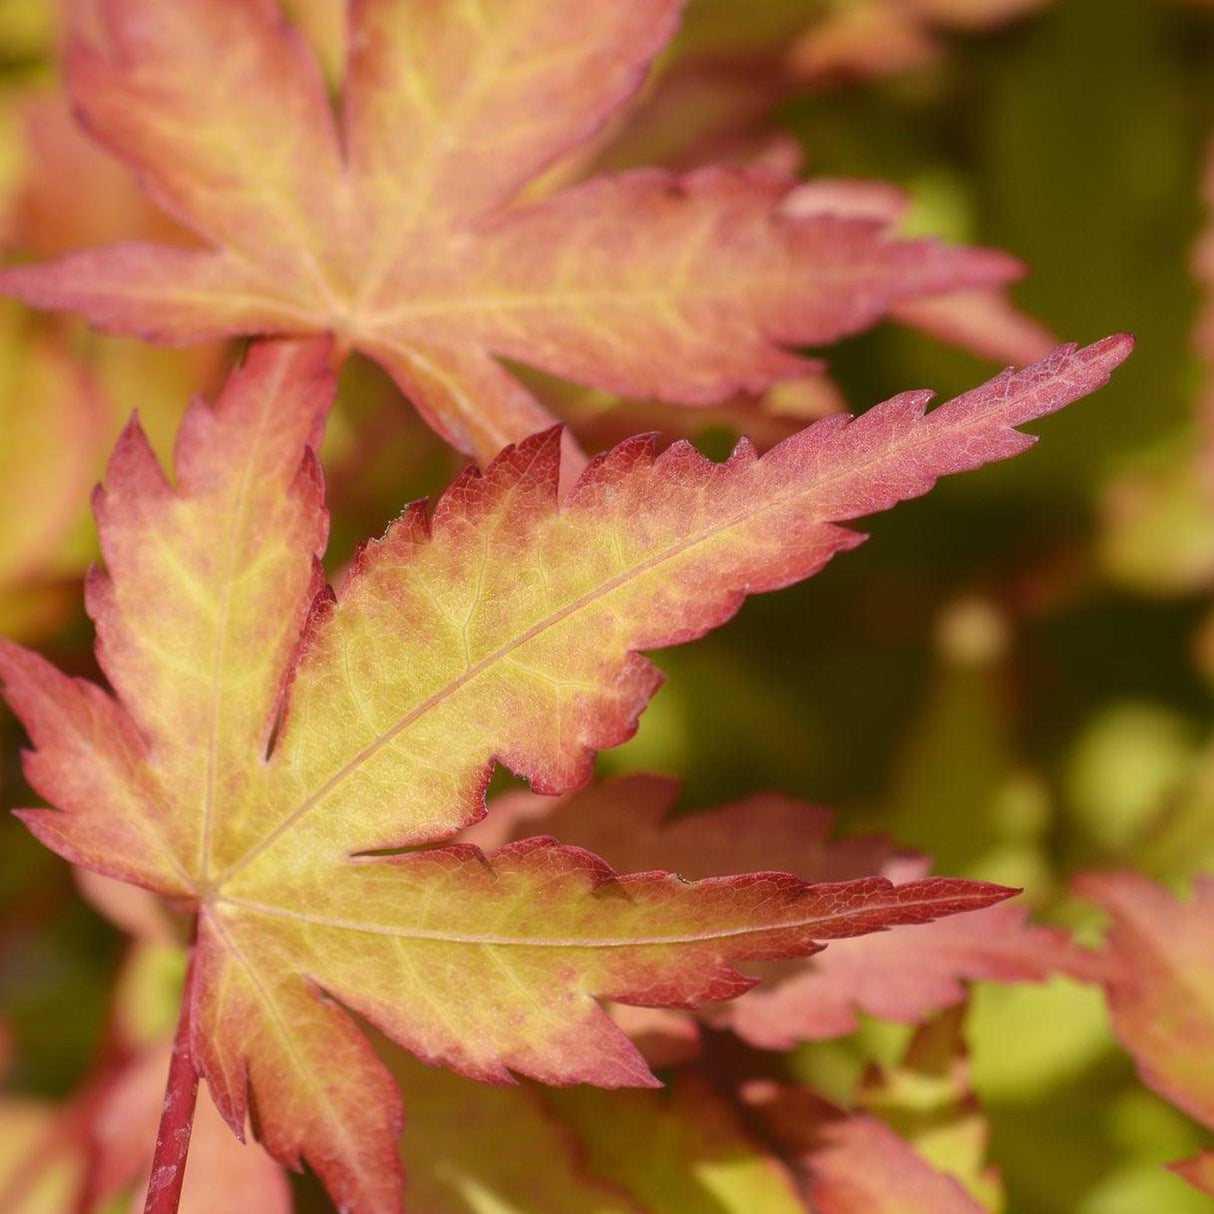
[685, 1149]
[982, 319]
[1198, 1171]
[398, 228]
[853, 1163]
[265, 735]
[58, 157]
[896, 976]
[1162, 993]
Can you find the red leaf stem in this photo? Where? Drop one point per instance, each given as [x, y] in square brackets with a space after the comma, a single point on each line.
[177, 1116]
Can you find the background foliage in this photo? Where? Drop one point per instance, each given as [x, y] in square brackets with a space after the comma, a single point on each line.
[1013, 675]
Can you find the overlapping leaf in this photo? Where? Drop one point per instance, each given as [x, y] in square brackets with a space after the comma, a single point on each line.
[395, 230]
[455, 1162]
[1199, 1171]
[928, 1099]
[1162, 997]
[679, 1151]
[896, 976]
[855, 1164]
[684, 1149]
[263, 734]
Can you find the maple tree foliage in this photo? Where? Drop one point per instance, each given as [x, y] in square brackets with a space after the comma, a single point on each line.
[267, 734]
[404, 228]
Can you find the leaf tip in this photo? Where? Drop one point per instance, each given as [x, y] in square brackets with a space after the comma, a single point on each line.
[987, 893]
[133, 467]
[1117, 347]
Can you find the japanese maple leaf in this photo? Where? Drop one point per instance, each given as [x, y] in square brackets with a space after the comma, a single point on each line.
[1162, 996]
[1198, 1171]
[928, 1098]
[687, 1148]
[642, 1152]
[903, 978]
[399, 228]
[266, 737]
[853, 1164]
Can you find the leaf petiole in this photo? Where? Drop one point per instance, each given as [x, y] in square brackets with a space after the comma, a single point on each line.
[177, 1115]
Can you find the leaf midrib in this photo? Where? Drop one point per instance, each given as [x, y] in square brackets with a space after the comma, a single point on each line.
[823, 920]
[237, 527]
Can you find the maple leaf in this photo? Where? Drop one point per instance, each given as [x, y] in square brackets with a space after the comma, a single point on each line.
[704, 113]
[685, 1148]
[640, 1152]
[854, 1164]
[396, 230]
[267, 735]
[982, 320]
[454, 1150]
[1198, 1171]
[1162, 995]
[928, 1099]
[895, 976]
